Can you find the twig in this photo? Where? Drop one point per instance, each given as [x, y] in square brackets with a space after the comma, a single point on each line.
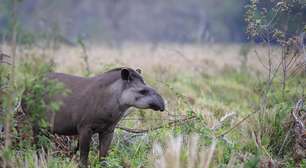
[147, 119]
[296, 69]
[260, 60]
[17, 107]
[284, 142]
[303, 47]
[211, 153]
[273, 18]
[222, 120]
[85, 56]
[297, 108]
[236, 125]
[140, 131]
[185, 58]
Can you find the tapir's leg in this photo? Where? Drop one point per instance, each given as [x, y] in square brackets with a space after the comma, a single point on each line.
[84, 144]
[36, 133]
[75, 150]
[105, 140]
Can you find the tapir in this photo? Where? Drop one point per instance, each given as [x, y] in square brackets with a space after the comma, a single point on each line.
[96, 105]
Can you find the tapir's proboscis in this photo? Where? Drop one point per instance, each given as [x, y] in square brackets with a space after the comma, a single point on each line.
[96, 104]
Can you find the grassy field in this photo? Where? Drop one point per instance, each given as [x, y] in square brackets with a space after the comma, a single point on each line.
[226, 116]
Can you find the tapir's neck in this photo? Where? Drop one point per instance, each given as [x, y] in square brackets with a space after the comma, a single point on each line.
[105, 101]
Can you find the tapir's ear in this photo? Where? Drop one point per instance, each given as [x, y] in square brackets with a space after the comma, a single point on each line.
[138, 70]
[125, 74]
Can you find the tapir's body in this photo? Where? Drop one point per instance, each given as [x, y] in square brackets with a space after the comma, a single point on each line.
[88, 102]
[96, 104]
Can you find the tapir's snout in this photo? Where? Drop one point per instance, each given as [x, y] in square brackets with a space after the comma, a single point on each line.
[158, 104]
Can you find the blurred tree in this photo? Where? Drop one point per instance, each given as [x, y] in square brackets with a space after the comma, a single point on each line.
[131, 20]
[280, 22]
[225, 19]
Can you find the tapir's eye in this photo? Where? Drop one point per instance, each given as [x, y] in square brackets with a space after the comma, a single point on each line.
[144, 92]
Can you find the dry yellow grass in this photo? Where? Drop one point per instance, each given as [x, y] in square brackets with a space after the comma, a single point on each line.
[209, 58]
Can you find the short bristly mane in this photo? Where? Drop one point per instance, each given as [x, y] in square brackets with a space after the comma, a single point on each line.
[113, 75]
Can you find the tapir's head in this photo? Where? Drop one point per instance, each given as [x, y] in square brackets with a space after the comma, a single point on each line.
[137, 93]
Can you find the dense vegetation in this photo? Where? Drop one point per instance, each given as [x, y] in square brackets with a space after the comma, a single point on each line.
[206, 108]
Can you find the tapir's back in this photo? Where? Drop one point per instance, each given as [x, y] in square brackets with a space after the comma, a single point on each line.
[74, 84]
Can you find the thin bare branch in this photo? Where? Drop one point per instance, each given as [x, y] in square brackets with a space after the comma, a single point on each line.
[303, 47]
[220, 123]
[170, 124]
[260, 60]
[236, 125]
[298, 107]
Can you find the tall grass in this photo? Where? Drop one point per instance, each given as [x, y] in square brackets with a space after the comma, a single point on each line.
[195, 80]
